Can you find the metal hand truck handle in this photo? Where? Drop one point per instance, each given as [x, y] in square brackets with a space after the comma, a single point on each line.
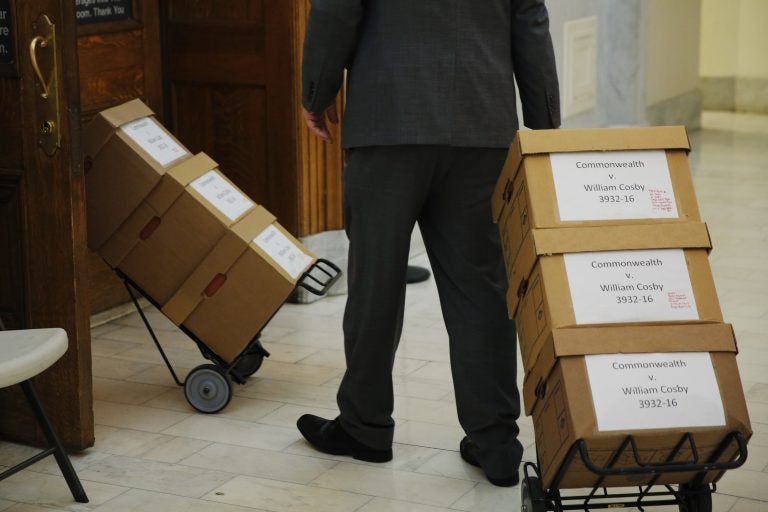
[313, 284]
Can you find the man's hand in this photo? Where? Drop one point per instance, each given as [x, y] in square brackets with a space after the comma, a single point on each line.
[316, 122]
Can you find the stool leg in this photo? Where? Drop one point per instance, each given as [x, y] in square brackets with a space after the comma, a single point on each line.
[53, 440]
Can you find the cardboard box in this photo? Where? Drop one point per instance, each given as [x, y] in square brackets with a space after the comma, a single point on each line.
[543, 242]
[678, 392]
[178, 224]
[540, 178]
[126, 153]
[593, 177]
[593, 284]
[237, 288]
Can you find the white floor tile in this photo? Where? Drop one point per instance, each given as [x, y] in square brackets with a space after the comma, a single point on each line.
[134, 416]
[387, 505]
[122, 392]
[275, 496]
[260, 463]
[242, 433]
[396, 485]
[155, 476]
[52, 492]
[429, 435]
[137, 500]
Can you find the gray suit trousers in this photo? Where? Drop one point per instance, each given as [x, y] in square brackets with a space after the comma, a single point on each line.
[447, 190]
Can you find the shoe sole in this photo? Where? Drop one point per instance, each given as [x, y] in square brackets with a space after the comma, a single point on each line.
[504, 482]
[383, 456]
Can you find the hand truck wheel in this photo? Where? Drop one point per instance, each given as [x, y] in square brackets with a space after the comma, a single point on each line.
[532, 494]
[249, 363]
[695, 498]
[208, 388]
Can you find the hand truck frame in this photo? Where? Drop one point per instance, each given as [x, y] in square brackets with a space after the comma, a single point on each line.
[208, 387]
[693, 496]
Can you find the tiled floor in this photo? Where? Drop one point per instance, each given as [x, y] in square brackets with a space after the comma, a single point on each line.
[154, 454]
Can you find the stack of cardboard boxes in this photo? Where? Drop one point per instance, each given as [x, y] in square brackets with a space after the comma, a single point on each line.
[195, 244]
[619, 323]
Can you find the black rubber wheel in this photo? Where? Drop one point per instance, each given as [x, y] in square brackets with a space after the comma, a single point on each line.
[208, 388]
[249, 364]
[532, 495]
[695, 499]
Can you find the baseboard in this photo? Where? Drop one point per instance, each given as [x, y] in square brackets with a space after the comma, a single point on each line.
[684, 109]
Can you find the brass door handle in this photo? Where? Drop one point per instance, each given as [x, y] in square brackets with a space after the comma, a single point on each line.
[43, 42]
[47, 111]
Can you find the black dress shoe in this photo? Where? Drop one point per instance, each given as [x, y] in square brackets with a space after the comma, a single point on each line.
[414, 274]
[328, 437]
[468, 450]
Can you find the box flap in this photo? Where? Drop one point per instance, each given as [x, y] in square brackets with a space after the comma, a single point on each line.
[192, 168]
[603, 139]
[253, 223]
[671, 235]
[579, 341]
[701, 337]
[176, 179]
[103, 126]
[127, 112]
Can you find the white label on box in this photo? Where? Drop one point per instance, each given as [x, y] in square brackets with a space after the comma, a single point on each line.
[281, 249]
[605, 185]
[630, 286]
[222, 195]
[151, 138]
[642, 391]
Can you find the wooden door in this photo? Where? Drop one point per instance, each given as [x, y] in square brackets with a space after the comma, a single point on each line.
[119, 55]
[232, 90]
[42, 219]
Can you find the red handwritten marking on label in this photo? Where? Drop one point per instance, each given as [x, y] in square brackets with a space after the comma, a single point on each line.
[678, 300]
[660, 200]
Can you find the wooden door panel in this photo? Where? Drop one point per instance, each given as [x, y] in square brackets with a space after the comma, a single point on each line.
[11, 146]
[229, 122]
[12, 309]
[232, 10]
[211, 52]
[111, 70]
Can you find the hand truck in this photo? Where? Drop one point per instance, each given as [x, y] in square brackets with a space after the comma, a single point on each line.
[208, 387]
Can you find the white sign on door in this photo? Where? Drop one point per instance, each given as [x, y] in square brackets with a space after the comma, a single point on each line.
[222, 195]
[283, 251]
[630, 286]
[605, 185]
[151, 138]
[643, 391]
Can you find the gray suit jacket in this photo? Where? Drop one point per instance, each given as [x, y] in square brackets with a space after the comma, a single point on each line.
[431, 71]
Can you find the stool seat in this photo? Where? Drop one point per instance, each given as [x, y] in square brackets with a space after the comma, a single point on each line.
[25, 354]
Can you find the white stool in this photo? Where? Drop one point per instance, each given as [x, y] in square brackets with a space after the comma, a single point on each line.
[23, 355]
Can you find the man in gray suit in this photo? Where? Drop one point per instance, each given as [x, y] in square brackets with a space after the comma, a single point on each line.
[430, 113]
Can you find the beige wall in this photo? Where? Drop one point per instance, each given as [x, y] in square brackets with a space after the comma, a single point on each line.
[734, 38]
[719, 37]
[672, 58]
[753, 39]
